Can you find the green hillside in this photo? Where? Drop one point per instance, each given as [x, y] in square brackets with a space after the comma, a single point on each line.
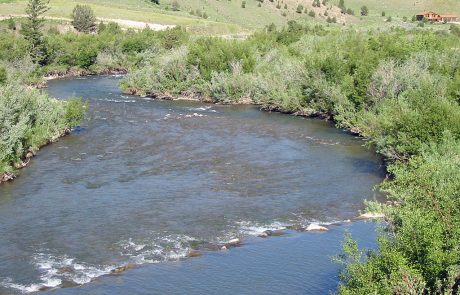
[209, 16]
[230, 17]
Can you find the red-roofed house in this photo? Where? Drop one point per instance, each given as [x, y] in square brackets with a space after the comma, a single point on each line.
[433, 16]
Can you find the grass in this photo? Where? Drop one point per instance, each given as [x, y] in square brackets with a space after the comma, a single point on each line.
[223, 16]
[136, 10]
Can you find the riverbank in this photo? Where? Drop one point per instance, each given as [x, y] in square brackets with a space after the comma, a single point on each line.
[29, 154]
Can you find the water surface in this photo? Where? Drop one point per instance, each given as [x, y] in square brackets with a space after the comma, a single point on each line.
[144, 181]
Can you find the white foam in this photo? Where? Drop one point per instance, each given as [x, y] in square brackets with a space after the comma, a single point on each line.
[255, 229]
[202, 109]
[52, 276]
[158, 249]
[118, 100]
[8, 283]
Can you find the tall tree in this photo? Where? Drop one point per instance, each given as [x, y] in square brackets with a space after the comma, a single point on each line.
[32, 29]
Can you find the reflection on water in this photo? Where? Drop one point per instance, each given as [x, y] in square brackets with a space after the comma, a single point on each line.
[143, 181]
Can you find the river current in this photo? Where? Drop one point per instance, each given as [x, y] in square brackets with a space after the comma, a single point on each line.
[142, 182]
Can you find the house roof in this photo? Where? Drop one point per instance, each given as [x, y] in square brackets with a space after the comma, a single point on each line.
[426, 12]
[441, 15]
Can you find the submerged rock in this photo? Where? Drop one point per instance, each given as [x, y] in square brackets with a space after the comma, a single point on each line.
[7, 177]
[316, 227]
[274, 233]
[123, 268]
[231, 243]
[193, 253]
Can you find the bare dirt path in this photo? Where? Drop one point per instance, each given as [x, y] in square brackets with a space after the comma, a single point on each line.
[122, 22]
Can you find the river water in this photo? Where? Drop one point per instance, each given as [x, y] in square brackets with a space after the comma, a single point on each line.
[142, 182]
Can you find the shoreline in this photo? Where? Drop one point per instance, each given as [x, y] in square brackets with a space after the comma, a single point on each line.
[29, 154]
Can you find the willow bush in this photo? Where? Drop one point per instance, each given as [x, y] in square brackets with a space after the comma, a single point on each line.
[29, 119]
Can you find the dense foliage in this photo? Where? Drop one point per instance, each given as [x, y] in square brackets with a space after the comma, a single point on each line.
[29, 119]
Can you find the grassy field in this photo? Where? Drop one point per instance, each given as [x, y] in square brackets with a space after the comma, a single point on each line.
[137, 10]
[222, 16]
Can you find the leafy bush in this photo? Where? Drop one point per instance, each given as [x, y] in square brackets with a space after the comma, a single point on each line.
[299, 8]
[422, 254]
[3, 75]
[28, 119]
[167, 72]
[215, 55]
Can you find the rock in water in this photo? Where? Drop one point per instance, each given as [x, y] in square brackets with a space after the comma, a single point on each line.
[233, 242]
[316, 227]
[193, 253]
[275, 232]
[370, 216]
[123, 268]
[262, 235]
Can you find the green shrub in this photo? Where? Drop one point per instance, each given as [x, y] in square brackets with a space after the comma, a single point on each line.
[299, 8]
[166, 72]
[215, 55]
[3, 75]
[422, 254]
[83, 19]
[11, 24]
[28, 119]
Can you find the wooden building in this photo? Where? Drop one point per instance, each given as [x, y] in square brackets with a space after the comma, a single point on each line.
[435, 17]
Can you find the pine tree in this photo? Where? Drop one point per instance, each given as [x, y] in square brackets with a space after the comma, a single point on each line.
[32, 29]
[83, 19]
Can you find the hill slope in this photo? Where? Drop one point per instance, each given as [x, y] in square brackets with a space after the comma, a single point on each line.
[209, 16]
[406, 8]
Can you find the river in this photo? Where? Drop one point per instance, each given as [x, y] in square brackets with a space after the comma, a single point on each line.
[141, 182]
